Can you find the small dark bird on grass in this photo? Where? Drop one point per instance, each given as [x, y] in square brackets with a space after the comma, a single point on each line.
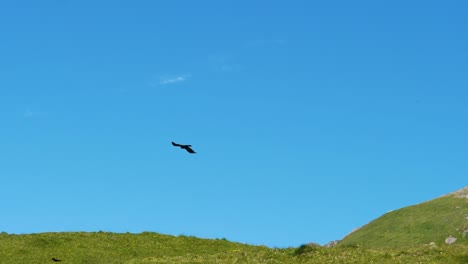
[56, 260]
[186, 147]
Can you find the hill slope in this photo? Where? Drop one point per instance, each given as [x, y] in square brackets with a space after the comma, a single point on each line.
[152, 248]
[103, 247]
[378, 242]
[431, 221]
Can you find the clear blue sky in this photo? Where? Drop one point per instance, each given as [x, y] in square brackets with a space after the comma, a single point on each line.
[309, 118]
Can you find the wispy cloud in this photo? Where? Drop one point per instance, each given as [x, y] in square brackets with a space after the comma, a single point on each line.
[229, 67]
[224, 62]
[28, 113]
[170, 79]
[173, 80]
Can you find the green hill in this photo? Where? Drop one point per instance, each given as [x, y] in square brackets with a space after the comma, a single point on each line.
[152, 248]
[431, 221]
[400, 236]
[104, 247]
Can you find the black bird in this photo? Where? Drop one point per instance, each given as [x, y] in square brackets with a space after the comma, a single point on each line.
[56, 260]
[186, 147]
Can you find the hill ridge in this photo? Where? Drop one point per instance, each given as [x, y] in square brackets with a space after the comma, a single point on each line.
[430, 221]
[462, 193]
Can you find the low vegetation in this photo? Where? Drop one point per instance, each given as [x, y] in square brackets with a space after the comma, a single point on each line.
[415, 234]
[151, 248]
[431, 221]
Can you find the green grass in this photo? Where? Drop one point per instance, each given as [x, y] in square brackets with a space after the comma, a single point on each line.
[432, 221]
[152, 248]
[342, 255]
[401, 236]
[102, 247]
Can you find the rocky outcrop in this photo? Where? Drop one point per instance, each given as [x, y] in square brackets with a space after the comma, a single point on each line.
[462, 193]
[332, 243]
[450, 240]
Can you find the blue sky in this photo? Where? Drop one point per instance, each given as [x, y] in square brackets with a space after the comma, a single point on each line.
[309, 118]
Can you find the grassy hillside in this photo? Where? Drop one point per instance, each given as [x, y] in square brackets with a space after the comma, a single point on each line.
[152, 248]
[401, 236]
[102, 247]
[432, 221]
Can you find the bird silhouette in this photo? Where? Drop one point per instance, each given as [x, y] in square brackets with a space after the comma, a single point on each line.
[56, 260]
[186, 147]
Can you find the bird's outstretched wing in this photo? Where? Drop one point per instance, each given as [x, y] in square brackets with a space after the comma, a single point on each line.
[186, 147]
[176, 145]
[189, 149]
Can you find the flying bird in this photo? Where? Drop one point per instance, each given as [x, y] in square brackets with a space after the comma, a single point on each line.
[56, 260]
[186, 147]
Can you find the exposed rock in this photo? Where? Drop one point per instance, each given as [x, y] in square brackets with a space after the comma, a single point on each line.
[462, 193]
[450, 240]
[332, 243]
